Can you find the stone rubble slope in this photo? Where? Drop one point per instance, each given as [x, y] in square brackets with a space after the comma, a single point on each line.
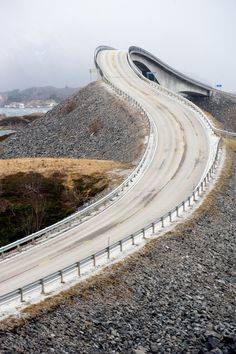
[177, 296]
[93, 123]
[222, 105]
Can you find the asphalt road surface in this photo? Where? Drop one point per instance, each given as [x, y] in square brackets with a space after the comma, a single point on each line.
[180, 154]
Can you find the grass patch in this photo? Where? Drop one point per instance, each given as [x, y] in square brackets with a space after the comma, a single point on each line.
[37, 192]
[69, 167]
[214, 120]
[231, 144]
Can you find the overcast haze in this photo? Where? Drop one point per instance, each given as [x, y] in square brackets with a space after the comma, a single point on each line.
[51, 42]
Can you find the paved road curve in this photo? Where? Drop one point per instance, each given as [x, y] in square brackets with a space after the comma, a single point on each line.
[180, 156]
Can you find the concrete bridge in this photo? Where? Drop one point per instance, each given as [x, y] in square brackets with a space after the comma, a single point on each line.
[155, 70]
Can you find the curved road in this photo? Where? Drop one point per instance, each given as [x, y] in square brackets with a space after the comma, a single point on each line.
[181, 152]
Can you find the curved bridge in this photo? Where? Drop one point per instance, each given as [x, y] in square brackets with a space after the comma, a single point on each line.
[179, 161]
[156, 70]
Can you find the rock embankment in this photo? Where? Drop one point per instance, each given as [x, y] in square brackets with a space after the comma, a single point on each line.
[93, 123]
[18, 122]
[176, 296]
[222, 106]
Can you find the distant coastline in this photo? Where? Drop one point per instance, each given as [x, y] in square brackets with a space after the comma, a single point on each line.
[12, 112]
[12, 119]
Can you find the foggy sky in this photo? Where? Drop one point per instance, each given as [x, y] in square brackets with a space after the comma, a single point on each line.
[51, 42]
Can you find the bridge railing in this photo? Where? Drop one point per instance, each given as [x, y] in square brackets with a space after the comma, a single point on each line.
[76, 218]
[83, 265]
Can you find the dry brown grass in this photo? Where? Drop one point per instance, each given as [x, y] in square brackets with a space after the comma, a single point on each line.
[215, 121]
[231, 144]
[71, 168]
[109, 277]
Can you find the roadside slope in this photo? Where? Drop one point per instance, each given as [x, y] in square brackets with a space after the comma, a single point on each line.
[175, 296]
[93, 123]
[222, 106]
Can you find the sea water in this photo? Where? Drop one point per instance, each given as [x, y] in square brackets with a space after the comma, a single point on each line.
[11, 112]
[6, 132]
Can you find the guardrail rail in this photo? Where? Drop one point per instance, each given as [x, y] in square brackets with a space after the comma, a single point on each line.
[60, 275]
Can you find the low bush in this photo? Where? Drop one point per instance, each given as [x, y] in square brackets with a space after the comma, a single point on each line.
[31, 201]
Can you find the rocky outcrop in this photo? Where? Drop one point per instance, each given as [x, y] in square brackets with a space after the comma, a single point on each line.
[94, 123]
[222, 106]
[18, 122]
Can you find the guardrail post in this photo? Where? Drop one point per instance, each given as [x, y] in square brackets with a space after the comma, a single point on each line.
[194, 199]
[79, 271]
[21, 295]
[43, 287]
[170, 216]
[121, 246]
[2, 255]
[143, 232]
[153, 227]
[61, 276]
[177, 211]
[108, 252]
[198, 192]
[183, 205]
[132, 238]
[94, 260]
[189, 201]
[162, 221]
[202, 186]
[18, 248]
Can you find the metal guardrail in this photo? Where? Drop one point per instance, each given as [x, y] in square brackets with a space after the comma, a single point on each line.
[19, 294]
[66, 224]
[60, 275]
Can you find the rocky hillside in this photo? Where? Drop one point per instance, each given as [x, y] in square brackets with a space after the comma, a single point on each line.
[93, 123]
[175, 296]
[222, 106]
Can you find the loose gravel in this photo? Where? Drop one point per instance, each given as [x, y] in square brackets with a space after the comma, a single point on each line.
[177, 295]
[221, 105]
[93, 123]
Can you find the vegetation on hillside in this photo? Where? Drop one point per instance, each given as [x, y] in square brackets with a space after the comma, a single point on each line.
[30, 201]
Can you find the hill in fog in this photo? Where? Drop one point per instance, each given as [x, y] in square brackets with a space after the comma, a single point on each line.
[36, 93]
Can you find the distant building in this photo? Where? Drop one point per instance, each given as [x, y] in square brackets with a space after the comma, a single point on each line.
[15, 105]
